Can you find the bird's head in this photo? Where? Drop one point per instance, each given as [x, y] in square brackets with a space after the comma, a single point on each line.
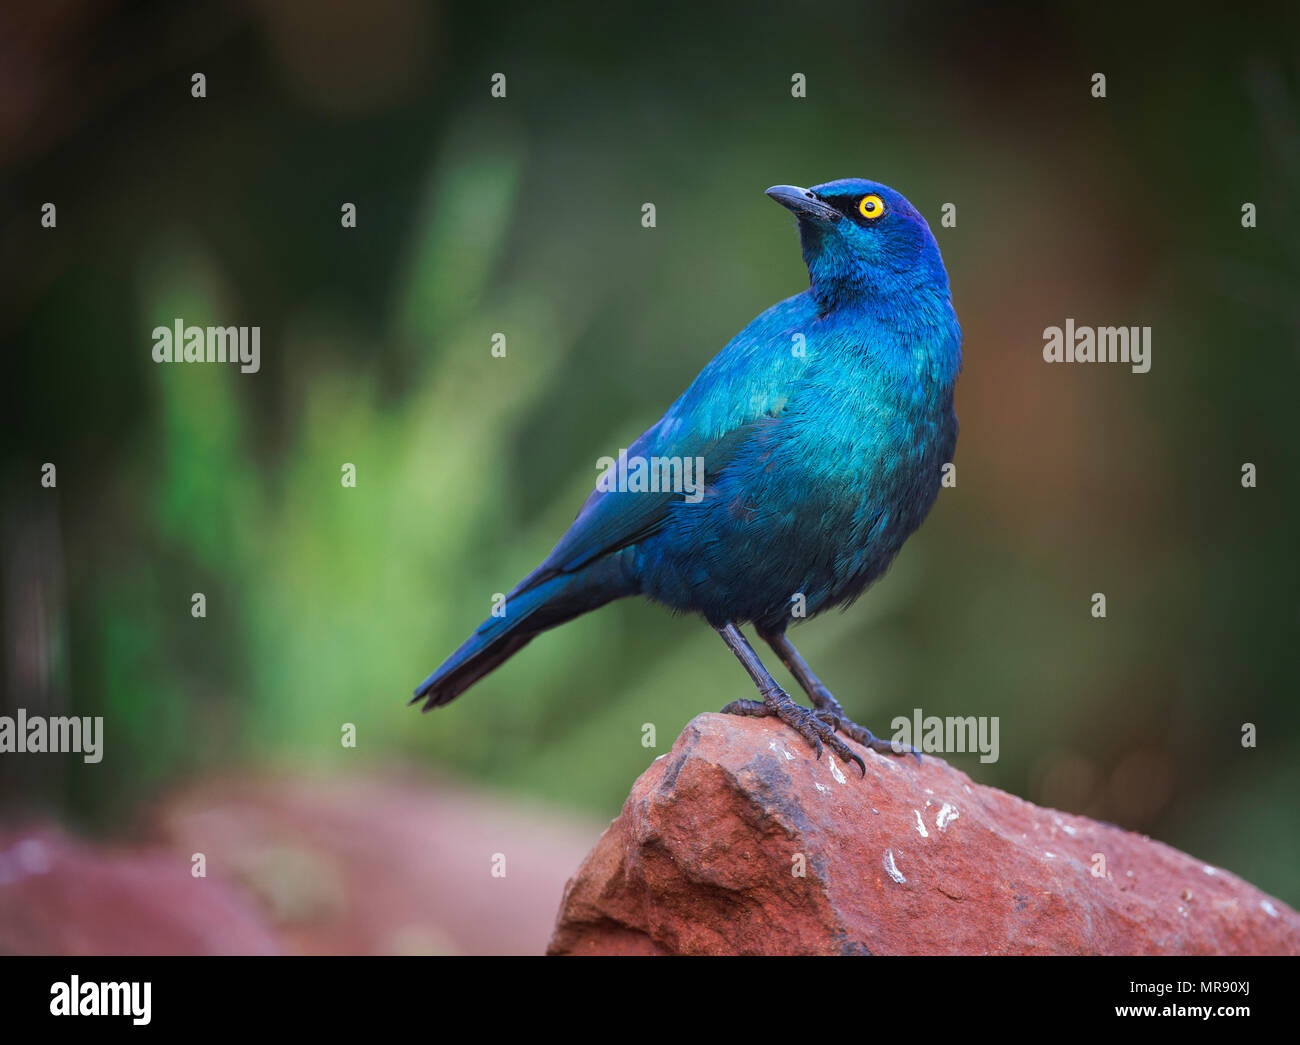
[862, 240]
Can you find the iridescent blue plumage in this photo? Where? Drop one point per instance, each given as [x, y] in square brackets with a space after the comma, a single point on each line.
[823, 426]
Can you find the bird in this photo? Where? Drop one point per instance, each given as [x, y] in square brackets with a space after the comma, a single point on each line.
[823, 430]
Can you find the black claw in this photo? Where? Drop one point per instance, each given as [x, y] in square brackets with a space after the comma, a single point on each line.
[814, 725]
[748, 708]
[910, 750]
[847, 753]
[866, 738]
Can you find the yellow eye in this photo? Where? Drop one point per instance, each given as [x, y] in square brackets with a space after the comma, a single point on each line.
[871, 207]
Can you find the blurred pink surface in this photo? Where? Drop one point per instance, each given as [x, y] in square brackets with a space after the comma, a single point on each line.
[304, 865]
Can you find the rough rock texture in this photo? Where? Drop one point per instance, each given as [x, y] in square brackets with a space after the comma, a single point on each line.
[910, 860]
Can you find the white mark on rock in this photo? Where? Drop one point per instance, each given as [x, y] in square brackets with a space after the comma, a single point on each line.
[1209, 870]
[835, 770]
[1069, 830]
[1269, 909]
[968, 790]
[1049, 856]
[819, 787]
[920, 824]
[946, 816]
[891, 868]
[780, 750]
[929, 791]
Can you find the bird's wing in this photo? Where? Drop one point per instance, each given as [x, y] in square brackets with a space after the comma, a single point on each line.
[743, 387]
[613, 519]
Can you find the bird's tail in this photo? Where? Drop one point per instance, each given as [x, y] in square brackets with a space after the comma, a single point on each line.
[540, 601]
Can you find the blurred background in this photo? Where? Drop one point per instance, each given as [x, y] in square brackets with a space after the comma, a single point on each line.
[522, 215]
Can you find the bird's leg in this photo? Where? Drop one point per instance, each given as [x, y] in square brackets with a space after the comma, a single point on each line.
[828, 708]
[807, 723]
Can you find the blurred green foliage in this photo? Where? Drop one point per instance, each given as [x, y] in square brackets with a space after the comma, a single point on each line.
[326, 605]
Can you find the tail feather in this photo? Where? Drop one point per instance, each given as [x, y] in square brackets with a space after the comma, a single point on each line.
[467, 665]
[538, 603]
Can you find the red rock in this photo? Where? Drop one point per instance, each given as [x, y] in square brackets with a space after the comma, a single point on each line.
[910, 860]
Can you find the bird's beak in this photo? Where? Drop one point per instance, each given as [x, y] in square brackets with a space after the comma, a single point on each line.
[804, 202]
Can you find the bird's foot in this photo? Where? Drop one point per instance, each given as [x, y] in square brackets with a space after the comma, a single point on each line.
[830, 712]
[807, 723]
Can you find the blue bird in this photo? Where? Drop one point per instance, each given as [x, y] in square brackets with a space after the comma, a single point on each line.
[822, 429]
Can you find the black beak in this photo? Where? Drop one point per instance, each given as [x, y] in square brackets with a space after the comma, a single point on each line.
[804, 202]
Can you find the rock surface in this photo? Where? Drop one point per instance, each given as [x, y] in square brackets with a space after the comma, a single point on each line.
[706, 854]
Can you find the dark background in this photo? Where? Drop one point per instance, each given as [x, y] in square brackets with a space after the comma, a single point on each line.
[477, 215]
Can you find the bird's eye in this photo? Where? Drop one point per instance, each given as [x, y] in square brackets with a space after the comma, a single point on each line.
[871, 207]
